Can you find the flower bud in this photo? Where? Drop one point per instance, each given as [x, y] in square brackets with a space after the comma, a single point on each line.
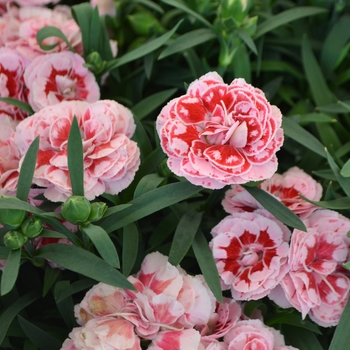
[76, 209]
[97, 211]
[94, 62]
[32, 227]
[144, 23]
[12, 218]
[14, 239]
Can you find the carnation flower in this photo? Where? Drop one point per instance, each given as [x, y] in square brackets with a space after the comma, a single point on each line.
[105, 7]
[56, 77]
[250, 251]
[285, 187]
[110, 157]
[219, 134]
[185, 339]
[12, 67]
[314, 285]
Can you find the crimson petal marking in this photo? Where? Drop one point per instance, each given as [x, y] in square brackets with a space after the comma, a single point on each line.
[255, 130]
[324, 267]
[269, 254]
[234, 250]
[245, 168]
[191, 110]
[334, 289]
[247, 238]
[198, 148]
[181, 137]
[265, 239]
[216, 96]
[224, 156]
[59, 132]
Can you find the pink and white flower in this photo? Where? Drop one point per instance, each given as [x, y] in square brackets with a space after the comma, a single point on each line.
[218, 134]
[314, 285]
[110, 157]
[31, 2]
[57, 77]
[12, 67]
[187, 339]
[105, 7]
[250, 251]
[285, 187]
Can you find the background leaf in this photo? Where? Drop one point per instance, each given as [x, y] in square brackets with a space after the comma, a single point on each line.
[10, 272]
[130, 248]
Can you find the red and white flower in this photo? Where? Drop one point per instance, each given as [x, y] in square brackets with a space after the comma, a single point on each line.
[187, 339]
[110, 157]
[250, 251]
[285, 187]
[314, 284]
[219, 134]
[57, 77]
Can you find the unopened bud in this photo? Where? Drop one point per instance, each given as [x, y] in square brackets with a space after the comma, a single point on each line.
[14, 239]
[97, 211]
[76, 210]
[12, 218]
[32, 227]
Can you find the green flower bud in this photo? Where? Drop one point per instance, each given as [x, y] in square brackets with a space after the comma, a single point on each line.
[97, 211]
[144, 23]
[14, 239]
[12, 218]
[32, 227]
[76, 209]
[94, 62]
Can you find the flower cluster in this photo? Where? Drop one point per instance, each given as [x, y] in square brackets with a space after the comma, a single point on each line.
[258, 256]
[168, 310]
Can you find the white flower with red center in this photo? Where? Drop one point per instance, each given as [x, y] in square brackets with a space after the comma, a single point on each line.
[286, 187]
[314, 285]
[110, 157]
[250, 251]
[57, 77]
[12, 67]
[219, 134]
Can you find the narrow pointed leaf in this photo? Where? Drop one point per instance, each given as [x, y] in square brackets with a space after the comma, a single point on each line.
[51, 276]
[27, 171]
[141, 138]
[276, 208]
[50, 31]
[187, 41]
[341, 337]
[149, 203]
[20, 104]
[10, 273]
[207, 265]
[286, 17]
[302, 136]
[143, 50]
[246, 38]
[81, 261]
[345, 171]
[148, 183]
[39, 337]
[75, 159]
[184, 235]
[344, 182]
[130, 248]
[12, 311]
[306, 340]
[103, 244]
[74, 288]
[336, 204]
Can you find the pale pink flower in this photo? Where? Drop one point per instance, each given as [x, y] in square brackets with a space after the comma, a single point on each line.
[9, 156]
[253, 334]
[57, 77]
[285, 187]
[30, 2]
[250, 251]
[21, 27]
[2, 264]
[313, 284]
[12, 67]
[218, 134]
[110, 157]
[105, 7]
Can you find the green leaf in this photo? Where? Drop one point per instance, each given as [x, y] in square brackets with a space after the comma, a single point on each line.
[115, 209]
[302, 136]
[276, 208]
[74, 288]
[319, 89]
[150, 103]
[187, 41]
[51, 234]
[103, 244]
[81, 261]
[143, 50]
[305, 339]
[130, 248]
[149, 203]
[141, 138]
[148, 183]
[279, 66]
[286, 17]
[20, 104]
[82, 14]
[344, 182]
[316, 118]
[65, 306]
[95, 35]
[50, 277]
[39, 337]
[50, 31]
[10, 272]
[336, 204]
[4, 252]
[27, 171]
[184, 235]
[341, 338]
[339, 107]
[207, 265]
[246, 38]
[75, 159]
[345, 171]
